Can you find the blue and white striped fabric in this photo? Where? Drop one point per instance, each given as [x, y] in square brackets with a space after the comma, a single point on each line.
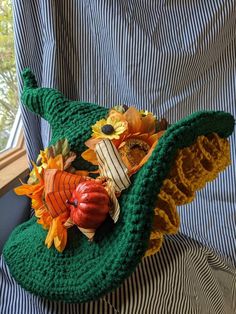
[171, 58]
[184, 277]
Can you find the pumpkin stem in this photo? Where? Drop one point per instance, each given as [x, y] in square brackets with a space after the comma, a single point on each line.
[75, 203]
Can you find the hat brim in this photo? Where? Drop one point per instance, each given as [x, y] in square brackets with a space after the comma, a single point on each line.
[87, 270]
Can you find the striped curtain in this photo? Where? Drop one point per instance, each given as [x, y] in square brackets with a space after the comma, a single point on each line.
[166, 56]
[171, 57]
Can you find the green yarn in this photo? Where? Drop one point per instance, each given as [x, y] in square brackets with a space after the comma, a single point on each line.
[68, 119]
[85, 271]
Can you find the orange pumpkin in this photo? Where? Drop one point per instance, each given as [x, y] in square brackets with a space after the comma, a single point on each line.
[89, 204]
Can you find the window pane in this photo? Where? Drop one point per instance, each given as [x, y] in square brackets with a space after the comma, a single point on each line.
[8, 86]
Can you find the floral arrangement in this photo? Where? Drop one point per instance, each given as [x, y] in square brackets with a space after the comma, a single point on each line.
[63, 197]
[57, 157]
[134, 133]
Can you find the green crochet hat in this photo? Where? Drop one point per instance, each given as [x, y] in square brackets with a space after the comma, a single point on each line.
[86, 270]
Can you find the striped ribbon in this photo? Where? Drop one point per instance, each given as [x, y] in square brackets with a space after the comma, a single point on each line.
[111, 165]
[112, 168]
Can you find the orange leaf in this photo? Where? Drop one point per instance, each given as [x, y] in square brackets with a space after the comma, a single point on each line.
[82, 173]
[57, 233]
[133, 118]
[45, 219]
[37, 203]
[148, 124]
[117, 115]
[60, 241]
[38, 175]
[32, 191]
[56, 163]
[24, 189]
[61, 235]
[155, 137]
[69, 160]
[90, 156]
[51, 234]
[92, 142]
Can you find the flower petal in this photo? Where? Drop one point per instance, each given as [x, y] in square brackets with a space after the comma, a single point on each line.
[117, 115]
[155, 137]
[25, 189]
[148, 124]
[133, 118]
[56, 162]
[92, 142]
[51, 234]
[90, 156]
[57, 233]
[44, 218]
[60, 239]
[68, 161]
[97, 127]
[82, 173]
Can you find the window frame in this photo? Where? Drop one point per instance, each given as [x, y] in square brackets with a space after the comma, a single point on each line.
[14, 133]
[13, 161]
[13, 158]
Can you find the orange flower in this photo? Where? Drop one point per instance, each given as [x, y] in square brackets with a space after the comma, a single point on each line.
[34, 191]
[135, 149]
[117, 115]
[50, 178]
[90, 156]
[56, 162]
[137, 123]
[135, 144]
[44, 218]
[43, 156]
[57, 233]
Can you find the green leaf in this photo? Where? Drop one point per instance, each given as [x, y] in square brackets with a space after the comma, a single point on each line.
[65, 148]
[57, 148]
[61, 147]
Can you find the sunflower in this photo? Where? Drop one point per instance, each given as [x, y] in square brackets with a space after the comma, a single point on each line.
[110, 128]
[36, 190]
[135, 149]
[136, 144]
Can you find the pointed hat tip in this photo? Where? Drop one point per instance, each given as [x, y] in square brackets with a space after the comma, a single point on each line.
[29, 78]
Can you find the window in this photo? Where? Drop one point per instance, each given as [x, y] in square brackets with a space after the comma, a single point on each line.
[8, 86]
[13, 161]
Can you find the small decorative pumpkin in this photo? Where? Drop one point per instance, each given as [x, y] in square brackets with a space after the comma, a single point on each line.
[89, 204]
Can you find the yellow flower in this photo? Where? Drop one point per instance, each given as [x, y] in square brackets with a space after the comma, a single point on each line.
[43, 156]
[119, 108]
[33, 191]
[111, 128]
[57, 233]
[144, 112]
[135, 145]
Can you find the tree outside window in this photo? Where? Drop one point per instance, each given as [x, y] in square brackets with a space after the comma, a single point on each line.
[8, 85]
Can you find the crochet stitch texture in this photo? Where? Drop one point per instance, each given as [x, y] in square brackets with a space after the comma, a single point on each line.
[193, 167]
[85, 271]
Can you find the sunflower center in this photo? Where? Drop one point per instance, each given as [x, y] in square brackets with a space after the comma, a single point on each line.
[134, 151]
[107, 129]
